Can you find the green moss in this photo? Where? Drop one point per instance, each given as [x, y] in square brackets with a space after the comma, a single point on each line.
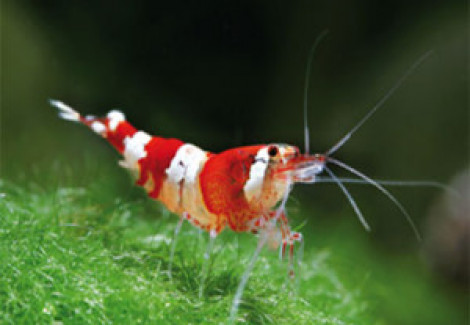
[76, 255]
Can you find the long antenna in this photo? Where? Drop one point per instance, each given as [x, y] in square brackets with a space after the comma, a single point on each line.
[379, 104]
[307, 82]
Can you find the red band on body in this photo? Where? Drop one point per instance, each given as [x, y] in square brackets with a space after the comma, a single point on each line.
[116, 138]
[160, 152]
[222, 180]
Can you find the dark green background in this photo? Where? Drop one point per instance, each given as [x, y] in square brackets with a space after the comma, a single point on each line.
[227, 73]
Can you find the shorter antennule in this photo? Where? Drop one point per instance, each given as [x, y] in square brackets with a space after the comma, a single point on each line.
[379, 187]
[350, 198]
[66, 112]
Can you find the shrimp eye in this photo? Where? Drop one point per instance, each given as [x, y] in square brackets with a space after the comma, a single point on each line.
[272, 151]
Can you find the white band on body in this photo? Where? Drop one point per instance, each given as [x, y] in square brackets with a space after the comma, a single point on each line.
[254, 185]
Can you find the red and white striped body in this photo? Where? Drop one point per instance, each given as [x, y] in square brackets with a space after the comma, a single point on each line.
[238, 187]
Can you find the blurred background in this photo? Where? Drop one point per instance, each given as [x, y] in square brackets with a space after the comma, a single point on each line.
[228, 73]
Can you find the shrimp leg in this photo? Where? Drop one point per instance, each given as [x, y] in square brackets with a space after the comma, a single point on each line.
[173, 243]
[205, 265]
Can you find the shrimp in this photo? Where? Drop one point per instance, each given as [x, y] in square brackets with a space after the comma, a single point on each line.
[236, 188]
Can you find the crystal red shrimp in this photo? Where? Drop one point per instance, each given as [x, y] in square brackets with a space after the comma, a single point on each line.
[237, 188]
